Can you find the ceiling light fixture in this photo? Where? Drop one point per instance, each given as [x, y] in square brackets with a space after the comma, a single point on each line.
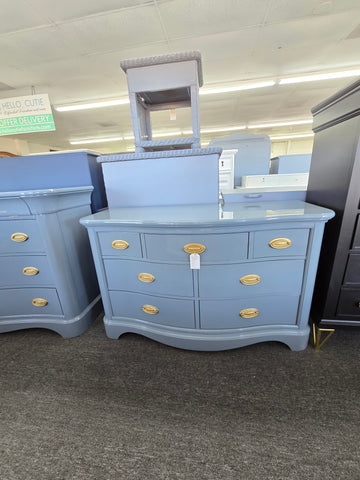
[85, 106]
[281, 124]
[222, 129]
[166, 134]
[211, 89]
[95, 140]
[288, 137]
[320, 76]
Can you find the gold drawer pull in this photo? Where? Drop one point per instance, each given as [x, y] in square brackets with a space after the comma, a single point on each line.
[280, 243]
[30, 271]
[150, 309]
[39, 302]
[250, 279]
[19, 237]
[120, 244]
[249, 313]
[146, 277]
[194, 248]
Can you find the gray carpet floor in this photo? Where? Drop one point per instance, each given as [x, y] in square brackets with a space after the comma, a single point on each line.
[95, 408]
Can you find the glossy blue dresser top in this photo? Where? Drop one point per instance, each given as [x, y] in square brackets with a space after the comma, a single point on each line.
[215, 215]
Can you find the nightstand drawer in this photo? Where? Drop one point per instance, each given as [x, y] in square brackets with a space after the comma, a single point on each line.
[228, 247]
[249, 312]
[25, 270]
[280, 243]
[166, 311]
[349, 303]
[147, 277]
[29, 302]
[20, 236]
[255, 278]
[120, 244]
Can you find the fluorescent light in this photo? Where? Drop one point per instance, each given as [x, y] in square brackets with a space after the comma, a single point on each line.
[281, 124]
[129, 137]
[203, 91]
[286, 137]
[223, 129]
[95, 140]
[320, 76]
[208, 90]
[85, 106]
[166, 134]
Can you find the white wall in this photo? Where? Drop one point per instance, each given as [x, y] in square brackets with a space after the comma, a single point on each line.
[21, 147]
[291, 146]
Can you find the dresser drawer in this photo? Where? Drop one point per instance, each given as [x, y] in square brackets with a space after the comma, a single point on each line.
[352, 273]
[25, 270]
[20, 236]
[149, 277]
[227, 247]
[255, 278]
[120, 244]
[19, 301]
[349, 303]
[255, 311]
[13, 206]
[165, 311]
[280, 243]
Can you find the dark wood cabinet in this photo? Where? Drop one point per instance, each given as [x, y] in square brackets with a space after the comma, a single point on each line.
[334, 182]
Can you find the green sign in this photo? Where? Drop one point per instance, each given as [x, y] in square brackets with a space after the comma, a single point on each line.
[25, 114]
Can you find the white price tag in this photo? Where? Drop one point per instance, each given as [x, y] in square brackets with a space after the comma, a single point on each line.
[195, 261]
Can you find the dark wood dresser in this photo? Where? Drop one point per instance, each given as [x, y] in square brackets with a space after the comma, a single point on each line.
[334, 182]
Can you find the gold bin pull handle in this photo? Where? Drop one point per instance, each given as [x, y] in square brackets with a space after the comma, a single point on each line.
[39, 302]
[194, 248]
[251, 279]
[120, 244]
[19, 237]
[150, 309]
[249, 313]
[146, 277]
[280, 243]
[30, 271]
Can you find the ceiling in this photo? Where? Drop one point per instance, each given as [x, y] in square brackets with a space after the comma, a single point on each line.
[72, 50]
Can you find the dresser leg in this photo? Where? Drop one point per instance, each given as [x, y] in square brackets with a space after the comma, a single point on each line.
[317, 331]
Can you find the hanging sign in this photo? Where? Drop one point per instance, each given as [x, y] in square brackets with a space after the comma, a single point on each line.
[26, 114]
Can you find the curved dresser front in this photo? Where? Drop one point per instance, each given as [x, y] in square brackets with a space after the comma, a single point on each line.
[202, 277]
[47, 277]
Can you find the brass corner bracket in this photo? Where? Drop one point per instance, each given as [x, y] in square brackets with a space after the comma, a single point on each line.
[317, 331]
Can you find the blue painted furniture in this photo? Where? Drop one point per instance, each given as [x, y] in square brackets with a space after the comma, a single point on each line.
[163, 82]
[252, 155]
[47, 278]
[291, 163]
[172, 177]
[54, 170]
[255, 282]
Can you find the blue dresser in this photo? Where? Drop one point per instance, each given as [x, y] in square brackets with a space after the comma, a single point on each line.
[255, 282]
[54, 170]
[47, 278]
